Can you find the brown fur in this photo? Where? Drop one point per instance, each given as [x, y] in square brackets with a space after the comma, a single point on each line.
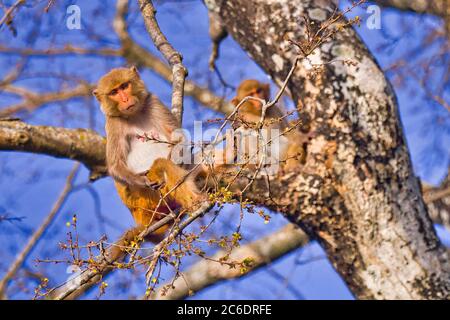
[112, 80]
[133, 188]
[248, 116]
[250, 111]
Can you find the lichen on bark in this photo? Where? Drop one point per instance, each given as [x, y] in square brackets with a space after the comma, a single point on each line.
[357, 195]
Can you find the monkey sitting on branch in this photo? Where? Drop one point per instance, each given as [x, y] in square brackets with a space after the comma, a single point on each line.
[141, 134]
[292, 143]
[264, 142]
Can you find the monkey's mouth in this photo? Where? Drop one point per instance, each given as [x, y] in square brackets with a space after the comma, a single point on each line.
[131, 106]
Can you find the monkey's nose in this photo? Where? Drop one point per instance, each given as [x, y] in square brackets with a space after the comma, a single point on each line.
[123, 96]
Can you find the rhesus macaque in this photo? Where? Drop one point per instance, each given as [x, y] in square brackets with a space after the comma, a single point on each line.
[291, 143]
[285, 147]
[249, 113]
[140, 137]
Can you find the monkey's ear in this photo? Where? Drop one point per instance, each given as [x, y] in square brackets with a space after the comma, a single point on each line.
[96, 94]
[134, 69]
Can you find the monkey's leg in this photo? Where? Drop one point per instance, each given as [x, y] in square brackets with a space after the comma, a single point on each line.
[143, 205]
[295, 156]
[297, 151]
[167, 173]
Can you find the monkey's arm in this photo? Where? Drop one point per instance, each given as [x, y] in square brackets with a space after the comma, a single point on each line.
[179, 146]
[117, 149]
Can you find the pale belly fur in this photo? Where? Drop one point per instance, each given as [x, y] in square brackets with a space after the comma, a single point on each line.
[144, 153]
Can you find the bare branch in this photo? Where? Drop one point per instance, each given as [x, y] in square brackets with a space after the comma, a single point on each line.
[440, 8]
[438, 200]
[136, 54]
[83, 145]
[174, 58]
[90, 277]
[66, 50]
[7, 17]
[20, 258]
[32, 100]
[208, 272]
[130, 50]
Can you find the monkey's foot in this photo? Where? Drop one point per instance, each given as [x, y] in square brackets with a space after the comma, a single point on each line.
[156, 185]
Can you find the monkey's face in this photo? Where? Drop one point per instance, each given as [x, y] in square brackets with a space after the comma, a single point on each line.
[121, 92]
[255, 89]
[127, 103]
[258, 92]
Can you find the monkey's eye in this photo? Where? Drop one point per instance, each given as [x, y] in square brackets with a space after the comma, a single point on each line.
[124, 85]
[113, 92]
[255, 91]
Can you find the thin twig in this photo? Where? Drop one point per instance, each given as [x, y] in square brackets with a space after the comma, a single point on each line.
[21, 257]
[89, 277]
[173, 234]
[8, 14]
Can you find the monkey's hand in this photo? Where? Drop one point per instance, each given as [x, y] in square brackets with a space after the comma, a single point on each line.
[177, 137]
[154, 185]
[154, 135]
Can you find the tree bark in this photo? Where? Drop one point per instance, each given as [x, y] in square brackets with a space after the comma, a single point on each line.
[357, 194]
[440, 8]
[83, 145]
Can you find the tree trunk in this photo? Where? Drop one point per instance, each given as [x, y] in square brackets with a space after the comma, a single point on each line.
[437, 7]
[357, 194]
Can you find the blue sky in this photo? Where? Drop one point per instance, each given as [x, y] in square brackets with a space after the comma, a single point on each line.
[29, 184]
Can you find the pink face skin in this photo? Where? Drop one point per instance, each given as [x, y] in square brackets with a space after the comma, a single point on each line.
[126, 102]
[257, 93]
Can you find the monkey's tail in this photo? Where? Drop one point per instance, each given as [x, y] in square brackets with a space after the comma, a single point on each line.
[119, 249]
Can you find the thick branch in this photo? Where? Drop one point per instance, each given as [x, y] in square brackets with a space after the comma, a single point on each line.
[439, 8]
[88, 147]
[83, 145]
